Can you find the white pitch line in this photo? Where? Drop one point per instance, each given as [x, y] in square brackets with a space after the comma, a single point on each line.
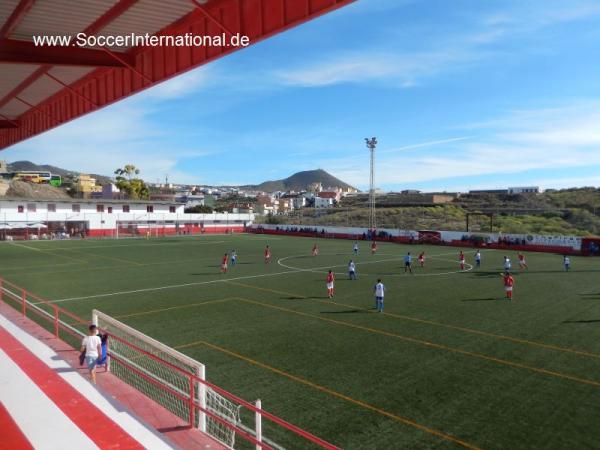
[199, 283]
[399, 258]
[173, 286]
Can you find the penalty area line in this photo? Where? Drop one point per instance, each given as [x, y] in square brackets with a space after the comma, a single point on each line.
[332, 393]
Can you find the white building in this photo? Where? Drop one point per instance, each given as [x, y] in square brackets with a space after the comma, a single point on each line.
[321, 202]
[105, 217]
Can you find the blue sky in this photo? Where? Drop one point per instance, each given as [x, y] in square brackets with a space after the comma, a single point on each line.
[461, 94]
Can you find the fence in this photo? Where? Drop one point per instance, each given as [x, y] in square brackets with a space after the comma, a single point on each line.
[70, 328]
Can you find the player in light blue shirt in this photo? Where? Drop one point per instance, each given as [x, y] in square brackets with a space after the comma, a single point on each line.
[408, 263]
[233, 257]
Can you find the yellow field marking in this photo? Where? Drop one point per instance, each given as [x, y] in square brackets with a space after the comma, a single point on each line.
[438, 324]
[333, 393]
[430, 344]
[172, 308]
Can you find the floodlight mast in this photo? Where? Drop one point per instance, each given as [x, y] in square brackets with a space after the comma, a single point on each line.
[371, 145]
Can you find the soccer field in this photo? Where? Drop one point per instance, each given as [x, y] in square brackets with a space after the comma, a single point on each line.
[449, 364]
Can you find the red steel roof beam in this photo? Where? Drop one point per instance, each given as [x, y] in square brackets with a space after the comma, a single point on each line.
[66, 86]
[23, 85]
[8, 124]
[43, 111]
[98, 24]
[12, 51]
[200, 6]
[110, 15]
[16, 17]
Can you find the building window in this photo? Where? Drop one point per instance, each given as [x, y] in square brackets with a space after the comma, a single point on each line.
[20, 208]
[125, 208]
[75, 208]
[51, 207]
[100, 208]
[31, 207]
[150, 208]
[171, 209]
[110, 209]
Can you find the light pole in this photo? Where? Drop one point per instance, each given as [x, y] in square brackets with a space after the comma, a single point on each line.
[371, 145]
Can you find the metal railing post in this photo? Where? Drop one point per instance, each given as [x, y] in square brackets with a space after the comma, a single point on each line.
[24, 302]
[202, 398]
[258, 424]
[55, 320]
[192, 403]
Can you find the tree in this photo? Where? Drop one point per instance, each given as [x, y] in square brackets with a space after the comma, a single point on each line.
[199, 209]
[134, 187]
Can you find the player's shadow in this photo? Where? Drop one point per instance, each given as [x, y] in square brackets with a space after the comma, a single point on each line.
[591, 296]
[297, 297]
[346, 311]
[582, 321]
[486, 274]
[487, 299]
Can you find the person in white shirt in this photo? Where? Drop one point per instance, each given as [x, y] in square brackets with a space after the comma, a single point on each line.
[352, 270]
[507, 264]
[355, 248]
[379, 290]
[92, 345]
[567, 263]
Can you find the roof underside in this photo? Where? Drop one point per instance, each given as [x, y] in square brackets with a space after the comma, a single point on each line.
[43, 87]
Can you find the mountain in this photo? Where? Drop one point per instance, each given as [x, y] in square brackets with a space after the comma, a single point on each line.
[300, 181]
[21, 166]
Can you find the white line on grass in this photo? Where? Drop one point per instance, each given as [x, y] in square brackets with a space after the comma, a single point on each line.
[399, 258]
[199, 283]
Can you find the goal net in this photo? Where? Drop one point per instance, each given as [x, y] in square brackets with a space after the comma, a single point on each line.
[169, 378]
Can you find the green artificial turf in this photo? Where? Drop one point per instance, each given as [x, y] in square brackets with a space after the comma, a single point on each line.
[449, 364]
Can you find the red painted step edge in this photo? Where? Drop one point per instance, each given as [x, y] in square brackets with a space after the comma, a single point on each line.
[104, 432]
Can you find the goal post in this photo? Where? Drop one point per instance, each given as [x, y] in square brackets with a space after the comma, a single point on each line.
[178, 383]
[169, 378]
[146, 364]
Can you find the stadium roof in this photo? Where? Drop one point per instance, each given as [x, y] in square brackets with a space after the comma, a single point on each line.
[42, 87]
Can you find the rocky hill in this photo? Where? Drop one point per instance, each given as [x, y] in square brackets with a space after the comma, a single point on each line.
[299, 181]
[22, 189]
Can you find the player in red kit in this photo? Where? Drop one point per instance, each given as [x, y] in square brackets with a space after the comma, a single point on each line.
[373, 247]
[509, 283]
[330, 281]
[522, 263]
[315, 250]
[422, 259]
[267, 255]
[461, 260]
[224, 263]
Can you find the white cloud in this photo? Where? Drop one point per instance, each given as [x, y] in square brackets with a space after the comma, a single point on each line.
[405, 70]
[182, 85]
[107, 139]
[564, 138]
[448, 51]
